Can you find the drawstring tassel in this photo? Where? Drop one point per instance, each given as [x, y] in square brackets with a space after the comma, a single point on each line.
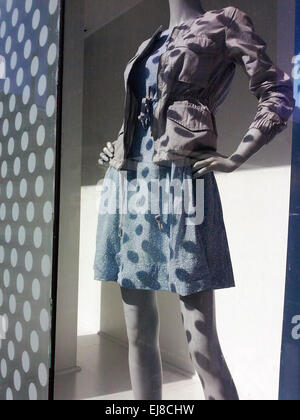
[120, 232]
[159, 222]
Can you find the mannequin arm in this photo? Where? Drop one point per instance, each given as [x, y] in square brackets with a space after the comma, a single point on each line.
[253, 141]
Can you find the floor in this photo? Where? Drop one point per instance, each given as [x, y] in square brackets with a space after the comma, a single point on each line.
[104, 375]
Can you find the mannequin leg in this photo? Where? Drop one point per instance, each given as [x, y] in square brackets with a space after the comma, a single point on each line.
[142, 323]
[199, 320]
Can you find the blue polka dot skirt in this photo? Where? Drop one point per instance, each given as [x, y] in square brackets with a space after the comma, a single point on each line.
[159, 228]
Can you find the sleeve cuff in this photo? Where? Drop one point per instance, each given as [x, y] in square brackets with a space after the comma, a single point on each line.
[269, 124]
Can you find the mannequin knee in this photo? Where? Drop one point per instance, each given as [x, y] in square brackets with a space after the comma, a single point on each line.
[143, 331]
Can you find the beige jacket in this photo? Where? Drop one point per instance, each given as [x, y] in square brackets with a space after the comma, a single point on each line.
[194, 77]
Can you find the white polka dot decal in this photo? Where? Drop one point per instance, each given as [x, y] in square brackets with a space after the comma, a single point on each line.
[29, 42]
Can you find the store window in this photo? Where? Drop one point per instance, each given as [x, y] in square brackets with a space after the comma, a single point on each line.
[29, 51]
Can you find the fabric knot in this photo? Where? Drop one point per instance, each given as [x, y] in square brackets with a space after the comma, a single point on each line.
[146, 108]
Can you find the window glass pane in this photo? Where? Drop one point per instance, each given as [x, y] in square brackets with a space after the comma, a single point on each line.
[29, 43]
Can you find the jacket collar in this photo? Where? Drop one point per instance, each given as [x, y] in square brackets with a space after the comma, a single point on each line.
[158, 30]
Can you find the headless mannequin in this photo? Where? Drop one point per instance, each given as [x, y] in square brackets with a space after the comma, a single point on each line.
[198, 309]
[197, 312]
[182, 10]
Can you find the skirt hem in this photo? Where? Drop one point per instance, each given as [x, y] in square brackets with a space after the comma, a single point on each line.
[182, 291]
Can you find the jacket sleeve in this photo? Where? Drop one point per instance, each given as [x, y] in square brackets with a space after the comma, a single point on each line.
[272, 87]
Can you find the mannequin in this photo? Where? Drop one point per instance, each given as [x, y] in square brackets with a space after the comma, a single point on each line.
[197, 309]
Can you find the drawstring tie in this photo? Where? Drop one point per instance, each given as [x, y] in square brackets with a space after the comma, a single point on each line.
[121, 207]
[158, 216]
[146, 108]
[159, 222]
[145, 119]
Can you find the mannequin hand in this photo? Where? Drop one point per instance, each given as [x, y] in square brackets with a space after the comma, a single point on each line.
[213, 162]
[106, 154]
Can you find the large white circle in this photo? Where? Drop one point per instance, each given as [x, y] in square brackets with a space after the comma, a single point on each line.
[43, 374]
[28, 261]
[42, 85]
[8, 44]
[21, 235]
[23, 187]
[46, 265]
[13, 60]
[31, 162]
[3, 29]
[52, 6]
[20, 283]
[44, 320]
[40, 135]
[15, 17]
[28, 5]
[9, 395]
[8, 234]
[4, 169]
[12, 105]
[6, 278]
[34, 66]
[20, 76]
[9, 4]
[11, 141]
[37, 237]
[3, 368]
[27, 311]
[27, 49]
[24, 141]
[12, 304]
[32, 392]
[19, 331]
[15, 212]
[17, 380]
[9, 189]
[33, 113]
[2, 254]
[5, 127]
[21, 32]
[47, 212]
[49, 158]
[44, 35]
[39, 186]
[26, 95]
[25, 362]
[36, 289]
[36, 19]
[50, 106]
[18, 121]
[52, 54]
[34, 342]
[17, 166]
[14, 257]
[11, 351]
[30, 211]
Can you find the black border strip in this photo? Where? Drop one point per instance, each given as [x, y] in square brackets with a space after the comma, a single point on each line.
[57, 178]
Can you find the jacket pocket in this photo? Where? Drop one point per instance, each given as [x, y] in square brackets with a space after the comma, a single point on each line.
[191, 116]
[190, 130]
[198, 55]
[199, 43]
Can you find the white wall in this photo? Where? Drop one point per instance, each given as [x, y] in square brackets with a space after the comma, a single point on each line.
[67, 293]
[89, 293]
[255, 204]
